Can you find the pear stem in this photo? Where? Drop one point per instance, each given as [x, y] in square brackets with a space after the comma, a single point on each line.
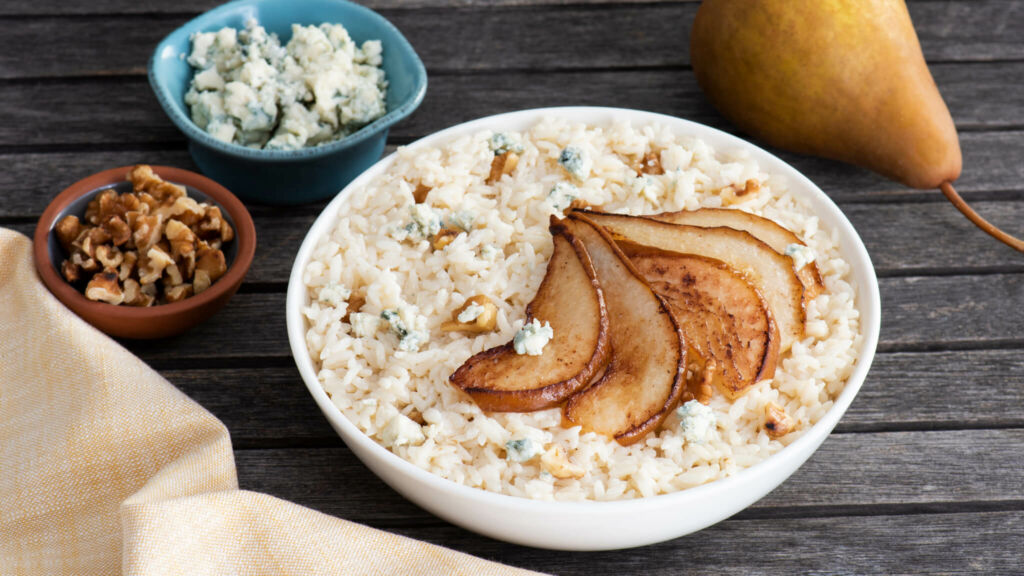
[990, 229]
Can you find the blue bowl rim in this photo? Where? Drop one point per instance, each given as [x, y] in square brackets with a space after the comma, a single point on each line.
[194, 133]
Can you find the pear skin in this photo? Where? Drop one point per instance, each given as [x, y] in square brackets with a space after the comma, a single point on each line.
[835, 78]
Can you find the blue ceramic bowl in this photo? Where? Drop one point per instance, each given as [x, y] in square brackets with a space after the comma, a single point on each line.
[289, 176]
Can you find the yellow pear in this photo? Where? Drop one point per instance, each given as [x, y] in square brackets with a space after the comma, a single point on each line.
[842, 79]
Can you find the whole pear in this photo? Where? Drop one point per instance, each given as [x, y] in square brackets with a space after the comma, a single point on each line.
[842, 79]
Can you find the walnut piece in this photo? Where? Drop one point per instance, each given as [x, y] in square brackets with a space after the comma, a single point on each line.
[485, 321]
[120, 232]
[732, 195]
[444, 237]
[776, 422]
[104, 288]
[72, 272]
[650, 164]
[419, 195]
[501, 165]
[556, 463]
[67, 231]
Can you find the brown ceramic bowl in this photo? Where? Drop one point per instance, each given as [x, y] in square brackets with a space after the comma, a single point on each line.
[155, 321]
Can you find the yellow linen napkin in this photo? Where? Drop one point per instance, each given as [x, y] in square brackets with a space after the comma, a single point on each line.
[106, 467]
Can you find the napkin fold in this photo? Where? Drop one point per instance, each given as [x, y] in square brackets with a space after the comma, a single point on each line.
[105, 467]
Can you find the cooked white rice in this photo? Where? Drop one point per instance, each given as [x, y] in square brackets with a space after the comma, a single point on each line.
[504, 257]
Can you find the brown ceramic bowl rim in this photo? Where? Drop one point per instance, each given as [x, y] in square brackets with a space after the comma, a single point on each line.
[245, 236]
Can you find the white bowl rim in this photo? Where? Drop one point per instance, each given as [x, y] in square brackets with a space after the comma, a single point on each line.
[867, 297]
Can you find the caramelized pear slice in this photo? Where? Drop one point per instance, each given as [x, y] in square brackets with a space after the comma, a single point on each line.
[764, 229]
[645, 377]
[722, 314]
[771, 272]
[571, 300]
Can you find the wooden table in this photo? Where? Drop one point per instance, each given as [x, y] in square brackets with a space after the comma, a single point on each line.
[924, 474]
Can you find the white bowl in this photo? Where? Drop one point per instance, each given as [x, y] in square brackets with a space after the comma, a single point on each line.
[594, 525]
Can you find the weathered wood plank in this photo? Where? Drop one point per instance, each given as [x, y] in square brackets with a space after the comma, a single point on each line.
[62, 112]
[952, 311]
[918, 312]
[970, 543]
[878, 469]
[263, 406]
[960, 389]
[115, 7]
[528, 36]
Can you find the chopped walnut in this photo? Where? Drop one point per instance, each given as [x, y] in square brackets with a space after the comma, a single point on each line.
[501, 165]
[147, 231]
[179, 292]
[105, 198]
[732, 195]
[72, 272]
[128, 262]
[120, 232]
[103, 287]
[213, 264]
[85, 262]
[67, 231]
[650, 164]
[444, 237]
[419, 195]
[135, 296]
[181, 237]
[777, 423]
[173, 276]
[201, 281]
[355, 304]
[109, 256]
[556, 463]
[149, 243]
[478, 314]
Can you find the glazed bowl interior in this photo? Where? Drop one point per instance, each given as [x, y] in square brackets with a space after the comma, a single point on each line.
[591, 525]
[170, 72]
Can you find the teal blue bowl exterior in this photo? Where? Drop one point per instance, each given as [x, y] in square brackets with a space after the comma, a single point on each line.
[289, 176]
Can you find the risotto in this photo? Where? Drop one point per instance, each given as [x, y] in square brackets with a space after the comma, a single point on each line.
[380, 290]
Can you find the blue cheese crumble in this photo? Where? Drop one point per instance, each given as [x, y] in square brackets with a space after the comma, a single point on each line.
[697, 422]
[801, 255]
[471, 313]
[333, 294]
[532, 338]
[562, 195]
[424, 223]
[463, 220]
[501, 143]
[576, 162]
[520, 450]
[410, 328]
[400, 431]
[250, 90]
[364, 325]
[489, 252]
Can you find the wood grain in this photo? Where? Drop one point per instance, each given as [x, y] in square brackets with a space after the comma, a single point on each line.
[511, 35]
[955, 543]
